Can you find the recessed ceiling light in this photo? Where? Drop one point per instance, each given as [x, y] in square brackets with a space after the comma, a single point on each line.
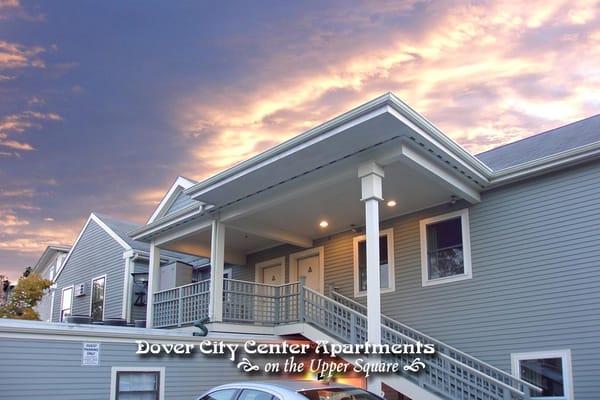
[391, 203]
[323, 224]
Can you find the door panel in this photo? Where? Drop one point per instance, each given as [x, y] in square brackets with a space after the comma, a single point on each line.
[309, 268]
[272, 275]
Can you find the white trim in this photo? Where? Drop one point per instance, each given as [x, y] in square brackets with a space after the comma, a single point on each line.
[103, 295]
[176, 188]
[466, 242]
[92, 217]
[112, 233]
[226, 271]
[391, 262]
[258, 268]
[127, 288]
[113, 379]
[295, 257]
[567, 368]
[62, 298]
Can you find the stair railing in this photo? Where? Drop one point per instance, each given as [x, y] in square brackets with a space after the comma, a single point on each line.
[392, 325]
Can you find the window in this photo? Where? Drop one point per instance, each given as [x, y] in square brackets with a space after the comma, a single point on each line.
[249, 394]
[97, 301]
[386, 263]
[137, 383]
[225, 394]
[445, 248]
[549, 370]
[66, 304]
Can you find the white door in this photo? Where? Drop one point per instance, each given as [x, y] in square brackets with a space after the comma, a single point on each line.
[272, 275]
[309, 268]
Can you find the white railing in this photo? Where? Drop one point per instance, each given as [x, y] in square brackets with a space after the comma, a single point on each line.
[182, 305]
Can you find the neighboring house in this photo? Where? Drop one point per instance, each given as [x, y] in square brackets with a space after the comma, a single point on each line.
[495, 255]
[47, 267]
[104, 274]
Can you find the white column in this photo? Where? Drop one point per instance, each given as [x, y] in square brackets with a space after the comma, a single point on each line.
[217, 266]
[371, 175]
[153, 282]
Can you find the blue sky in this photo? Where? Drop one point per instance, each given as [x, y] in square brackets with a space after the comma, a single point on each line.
[103, 104]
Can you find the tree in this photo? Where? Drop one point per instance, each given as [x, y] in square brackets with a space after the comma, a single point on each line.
[4, 285]
[24, 297]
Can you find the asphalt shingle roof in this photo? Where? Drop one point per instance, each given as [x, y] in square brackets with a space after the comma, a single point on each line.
[121, 228]
[543, 144]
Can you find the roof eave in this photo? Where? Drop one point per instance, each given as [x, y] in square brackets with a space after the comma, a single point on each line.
[384, 102]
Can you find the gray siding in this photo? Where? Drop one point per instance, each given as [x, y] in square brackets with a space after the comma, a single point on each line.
[96, 254]
[180, 203]
[52, 370]
[536, 274]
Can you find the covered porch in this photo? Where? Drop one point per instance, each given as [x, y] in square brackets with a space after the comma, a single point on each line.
[350, 174]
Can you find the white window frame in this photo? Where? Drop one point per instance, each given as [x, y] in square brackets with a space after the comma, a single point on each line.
[391, 262]
[567, 368]
[466, 243]
[103, 297]
[228, 271]
[113, 379]
[62, 301]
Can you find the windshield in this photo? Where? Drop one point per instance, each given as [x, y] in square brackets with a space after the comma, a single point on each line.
[339, 394]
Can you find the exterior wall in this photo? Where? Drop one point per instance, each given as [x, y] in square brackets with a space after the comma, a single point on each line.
[180, 203]
[44, 307]
[42, 367]
[536, 274]
[96, 254]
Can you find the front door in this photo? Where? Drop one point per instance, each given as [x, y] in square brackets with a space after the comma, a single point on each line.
[309, 268]
[272, 275]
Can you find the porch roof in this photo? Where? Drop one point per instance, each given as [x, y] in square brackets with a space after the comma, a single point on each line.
[427, 169]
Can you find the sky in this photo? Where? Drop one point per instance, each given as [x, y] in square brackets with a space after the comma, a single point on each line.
[104, 104]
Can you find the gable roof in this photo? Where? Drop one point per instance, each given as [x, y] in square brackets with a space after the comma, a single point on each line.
[175, 199]
[42, 262]
[545, 144]
[117, 229]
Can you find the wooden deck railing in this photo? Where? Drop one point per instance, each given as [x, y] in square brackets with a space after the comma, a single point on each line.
[181, 305]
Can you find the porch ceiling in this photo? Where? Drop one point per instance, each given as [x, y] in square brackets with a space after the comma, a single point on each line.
[339, 204]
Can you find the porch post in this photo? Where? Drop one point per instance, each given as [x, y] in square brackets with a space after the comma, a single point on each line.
[153, 282]
[371, 175]
[217, 266]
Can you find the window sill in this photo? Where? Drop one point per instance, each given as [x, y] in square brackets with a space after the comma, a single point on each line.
[449, 279]
[382, 291]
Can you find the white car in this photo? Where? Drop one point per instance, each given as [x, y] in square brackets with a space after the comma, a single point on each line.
[287, 390]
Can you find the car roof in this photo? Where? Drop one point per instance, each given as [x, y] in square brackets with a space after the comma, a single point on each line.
[292, 385]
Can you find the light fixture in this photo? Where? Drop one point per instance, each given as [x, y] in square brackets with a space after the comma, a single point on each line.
[391, 203]
[323, 224]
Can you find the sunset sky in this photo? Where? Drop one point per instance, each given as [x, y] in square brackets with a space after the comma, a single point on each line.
[103, 104]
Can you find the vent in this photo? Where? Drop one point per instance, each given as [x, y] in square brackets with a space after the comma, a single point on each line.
[80, 290]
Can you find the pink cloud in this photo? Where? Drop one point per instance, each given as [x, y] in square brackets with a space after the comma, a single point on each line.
[473, 70]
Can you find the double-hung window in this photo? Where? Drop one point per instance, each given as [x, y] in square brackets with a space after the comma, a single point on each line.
[97, 301]
[66, 303]
[137, 383]
[548, 370]
[445, 248]
[386, 263]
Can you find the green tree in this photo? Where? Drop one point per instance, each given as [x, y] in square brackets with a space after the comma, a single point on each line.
[24, 297]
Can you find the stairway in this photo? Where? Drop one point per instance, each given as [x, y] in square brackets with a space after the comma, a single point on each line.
[449, 374]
